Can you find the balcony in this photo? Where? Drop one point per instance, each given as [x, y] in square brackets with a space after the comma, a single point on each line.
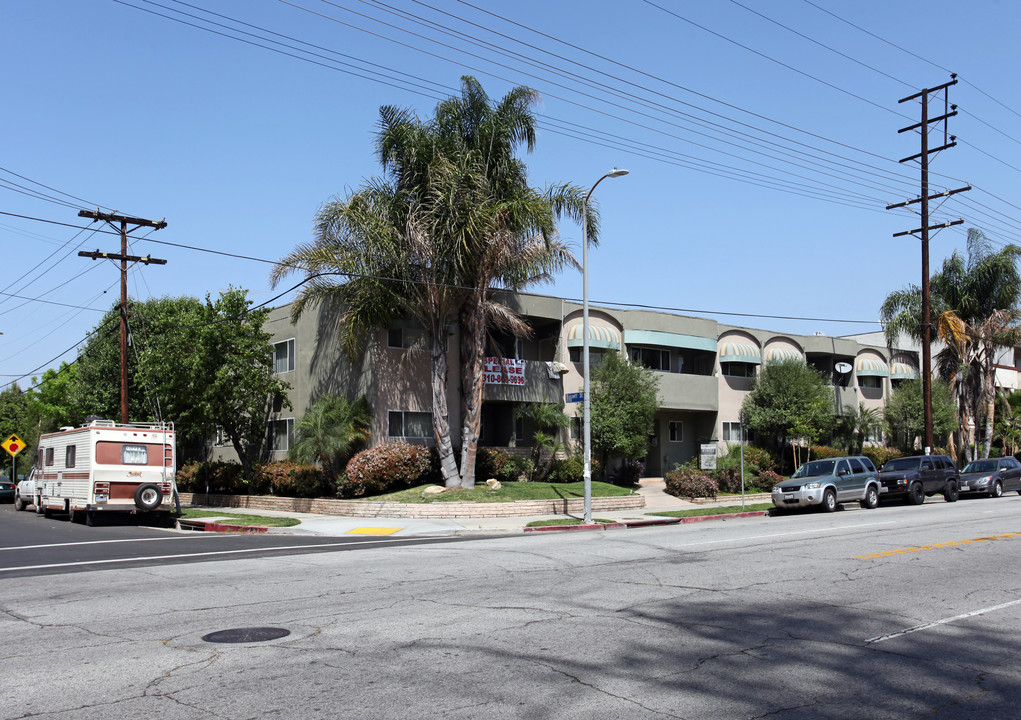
[681, 391]
[533, 385]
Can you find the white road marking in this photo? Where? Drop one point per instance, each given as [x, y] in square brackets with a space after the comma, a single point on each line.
[202, 554]
[926, 626]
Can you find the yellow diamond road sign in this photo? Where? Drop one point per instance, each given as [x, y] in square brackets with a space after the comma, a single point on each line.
[13, 445]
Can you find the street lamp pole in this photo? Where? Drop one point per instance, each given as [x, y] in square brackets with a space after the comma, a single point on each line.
[586, 412]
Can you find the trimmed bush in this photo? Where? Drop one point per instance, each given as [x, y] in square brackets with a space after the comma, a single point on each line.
[879, 455]
[767, 479]
[292, 479]
[386, 468]
[570, 469]
[490, 463]
[821, 452]
[688, 481]
[223, 478]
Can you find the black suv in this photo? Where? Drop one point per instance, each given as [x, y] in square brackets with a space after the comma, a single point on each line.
[915, 477]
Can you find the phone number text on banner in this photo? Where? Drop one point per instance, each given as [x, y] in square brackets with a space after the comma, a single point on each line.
[504, 372]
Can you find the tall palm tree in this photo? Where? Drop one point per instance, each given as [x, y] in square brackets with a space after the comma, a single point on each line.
[451, 221]
[975, 302]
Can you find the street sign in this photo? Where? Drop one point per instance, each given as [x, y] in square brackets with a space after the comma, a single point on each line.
[13, 445]
[574, 397]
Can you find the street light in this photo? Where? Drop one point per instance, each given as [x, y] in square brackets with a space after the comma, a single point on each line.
[587, 413]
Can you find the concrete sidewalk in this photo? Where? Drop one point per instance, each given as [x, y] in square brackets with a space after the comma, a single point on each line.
[653, 489]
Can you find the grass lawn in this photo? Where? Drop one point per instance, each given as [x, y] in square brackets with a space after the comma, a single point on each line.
[725, 510]
[567, 521]
[240, 519]
[510, 492]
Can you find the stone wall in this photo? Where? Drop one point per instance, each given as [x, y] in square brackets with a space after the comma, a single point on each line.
[374, 508]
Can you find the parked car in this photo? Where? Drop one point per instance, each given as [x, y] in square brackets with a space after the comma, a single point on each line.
[916, 477]
[992, 476]
[826, 483]
[25, 493]
[6, 490]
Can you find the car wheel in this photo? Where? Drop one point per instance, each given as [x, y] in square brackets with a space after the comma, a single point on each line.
[871, 499]
[996, 490]
[951, 492]
[916, 496]
[19, 504]
[829, 501]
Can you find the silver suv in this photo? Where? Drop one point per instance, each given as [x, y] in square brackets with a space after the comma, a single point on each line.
[826, 483]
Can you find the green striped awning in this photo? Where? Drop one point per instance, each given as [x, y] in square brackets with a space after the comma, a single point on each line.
[869, 365]
[731, 351]
[599, 336]
[903, 371]
[779, 354]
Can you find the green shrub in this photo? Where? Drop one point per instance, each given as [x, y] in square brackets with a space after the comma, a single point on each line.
[292, 479]
[821, 452]
[223, 478]
[386, 468]
[691, 482]
[570, 469]
[490, 463]
[767, 479]
[879, 455]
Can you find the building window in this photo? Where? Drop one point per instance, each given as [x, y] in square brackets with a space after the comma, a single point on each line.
[402, 337]
[519, 430]
[280, 434]
[407, 424]
[576, 428]
[652, 358]
[69, 456]
[737, 369]
[870, 381]
[595, 355]
[731, 432]
[283, 356]
[221, 437]
[676, 431]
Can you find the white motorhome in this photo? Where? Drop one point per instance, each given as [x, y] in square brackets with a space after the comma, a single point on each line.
[104, 467]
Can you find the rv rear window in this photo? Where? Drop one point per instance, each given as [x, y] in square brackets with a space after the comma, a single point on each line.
[69, 456]
[49, 456]
[134, 455]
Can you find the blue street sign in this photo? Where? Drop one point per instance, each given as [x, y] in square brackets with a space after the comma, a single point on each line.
[574, 397]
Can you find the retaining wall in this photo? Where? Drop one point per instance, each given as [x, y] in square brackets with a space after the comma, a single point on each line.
[374, 508]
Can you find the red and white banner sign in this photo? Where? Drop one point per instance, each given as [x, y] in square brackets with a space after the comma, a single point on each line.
[504, 372]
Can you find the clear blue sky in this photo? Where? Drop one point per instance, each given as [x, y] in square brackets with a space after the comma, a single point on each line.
[761, 156]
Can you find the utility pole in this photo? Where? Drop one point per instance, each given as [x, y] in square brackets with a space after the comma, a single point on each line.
[124, 258]
[950, 141]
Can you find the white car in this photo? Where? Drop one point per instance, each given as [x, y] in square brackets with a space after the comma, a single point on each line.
[25, 493]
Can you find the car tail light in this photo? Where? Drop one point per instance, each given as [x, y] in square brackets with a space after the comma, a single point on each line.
[103, 487]
[167, 488]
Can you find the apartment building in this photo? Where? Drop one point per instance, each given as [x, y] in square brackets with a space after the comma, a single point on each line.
[705, 370]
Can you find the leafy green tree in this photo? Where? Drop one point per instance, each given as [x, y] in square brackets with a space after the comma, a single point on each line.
[625, 396]
[50, 402]
[451, 220]
[199, 364]
[330, 432]
[548, 419]
[975, 308]
[905, 414]
[15, 420]
[789, 401]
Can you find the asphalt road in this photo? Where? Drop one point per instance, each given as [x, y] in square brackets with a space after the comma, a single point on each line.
[900, 612]
[33, 545]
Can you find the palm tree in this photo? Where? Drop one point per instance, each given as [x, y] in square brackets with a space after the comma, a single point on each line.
[330, 432]
[975, 302]
[452, 221]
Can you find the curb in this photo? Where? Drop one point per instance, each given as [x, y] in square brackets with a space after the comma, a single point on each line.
[207, 526]
[646, 523]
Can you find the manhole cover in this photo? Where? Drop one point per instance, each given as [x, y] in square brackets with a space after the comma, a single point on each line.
[246, 635]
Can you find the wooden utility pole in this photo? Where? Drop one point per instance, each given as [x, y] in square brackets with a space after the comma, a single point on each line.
[949, 111]
[124, 258]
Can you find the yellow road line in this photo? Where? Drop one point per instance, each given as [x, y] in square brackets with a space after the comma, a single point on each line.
[373, 531]
[937, 546]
